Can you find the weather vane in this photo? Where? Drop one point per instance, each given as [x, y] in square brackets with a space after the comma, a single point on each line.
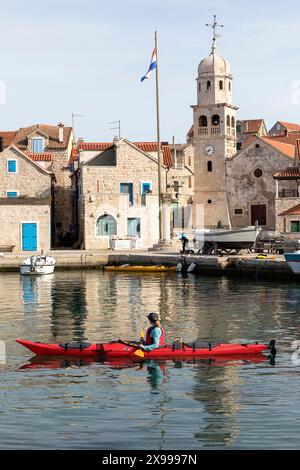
[215, 25]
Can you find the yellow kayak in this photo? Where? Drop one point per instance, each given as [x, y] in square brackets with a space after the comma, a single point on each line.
[127, 267]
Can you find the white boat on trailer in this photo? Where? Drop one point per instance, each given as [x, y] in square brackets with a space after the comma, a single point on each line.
[38, 265]
[209, 240]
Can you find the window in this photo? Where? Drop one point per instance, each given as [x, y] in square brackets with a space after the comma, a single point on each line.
[295, 226]
[215, 120]
[134, 227]
[221, 85]
[228, 120]
[258, 173]
[209, 201]
[199, 86]
[190, 161]
[146, 187]
[127, 188]
[11, 166]
[38, 145]
[229, 86]
[232, 122]
[208, 85]
[238, 128]
[106, 225]
[238, 211]
[209, 166]
[11, 193]
[190, 181]
[202, 121]
[238, 145]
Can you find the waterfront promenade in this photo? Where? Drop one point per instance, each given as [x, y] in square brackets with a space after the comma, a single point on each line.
[273, 267]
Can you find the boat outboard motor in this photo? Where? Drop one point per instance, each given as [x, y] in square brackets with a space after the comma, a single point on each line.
[272, 347]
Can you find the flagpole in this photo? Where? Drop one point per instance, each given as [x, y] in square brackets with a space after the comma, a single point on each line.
[158, 144]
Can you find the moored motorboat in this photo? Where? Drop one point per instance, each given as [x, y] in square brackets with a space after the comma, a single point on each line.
[293, 261]
[130, 349]
[38, 265]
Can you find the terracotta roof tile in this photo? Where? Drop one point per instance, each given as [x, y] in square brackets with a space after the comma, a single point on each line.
[252, 126]
[94, 145]
[40, 157]
[287, 149]
[287, 139]
[290, 126]
[148, 147]
[19, 138]
[293, 172]
[7, 137]
[292, 211]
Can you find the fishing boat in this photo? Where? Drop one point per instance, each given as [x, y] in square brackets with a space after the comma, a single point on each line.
[38, 265]
[293, 261]
[127, 349]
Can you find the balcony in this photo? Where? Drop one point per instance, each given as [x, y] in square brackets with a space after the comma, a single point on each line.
[216, 130]
[203, 131]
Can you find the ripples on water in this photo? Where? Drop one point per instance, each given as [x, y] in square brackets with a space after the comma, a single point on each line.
[155, 405]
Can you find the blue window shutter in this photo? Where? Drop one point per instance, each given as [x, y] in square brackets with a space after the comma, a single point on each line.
[37, 145]
[12, 166]
[12, 194]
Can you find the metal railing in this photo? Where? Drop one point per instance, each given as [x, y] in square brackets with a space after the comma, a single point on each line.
[288, 193]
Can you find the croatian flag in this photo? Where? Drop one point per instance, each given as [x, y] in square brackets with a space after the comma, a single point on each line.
[152, 65]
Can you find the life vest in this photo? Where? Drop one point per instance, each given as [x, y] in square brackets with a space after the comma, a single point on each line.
[149, 339]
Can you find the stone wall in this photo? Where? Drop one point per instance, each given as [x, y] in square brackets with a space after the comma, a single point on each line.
[244, 189]
[12, 217]
[29, 180]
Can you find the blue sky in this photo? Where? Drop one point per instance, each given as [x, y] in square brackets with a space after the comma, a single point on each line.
[87, 57]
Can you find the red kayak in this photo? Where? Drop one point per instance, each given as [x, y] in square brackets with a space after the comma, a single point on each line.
[129, 349]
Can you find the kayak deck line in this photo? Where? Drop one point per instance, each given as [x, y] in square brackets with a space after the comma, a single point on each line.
[120, 349]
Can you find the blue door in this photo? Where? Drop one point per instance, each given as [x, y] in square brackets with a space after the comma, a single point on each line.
[29, 237]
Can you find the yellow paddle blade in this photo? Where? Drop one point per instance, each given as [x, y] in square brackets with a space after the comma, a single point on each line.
[139, 353]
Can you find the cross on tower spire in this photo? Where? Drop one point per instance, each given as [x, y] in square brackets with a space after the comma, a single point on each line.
[214, 25]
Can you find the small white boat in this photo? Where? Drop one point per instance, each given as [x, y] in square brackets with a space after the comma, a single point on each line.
[38, 265]
[293, 260]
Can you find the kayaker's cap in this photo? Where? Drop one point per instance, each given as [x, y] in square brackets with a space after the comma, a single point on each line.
[153, 317]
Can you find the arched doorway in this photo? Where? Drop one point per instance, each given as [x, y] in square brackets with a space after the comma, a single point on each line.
[106, 225]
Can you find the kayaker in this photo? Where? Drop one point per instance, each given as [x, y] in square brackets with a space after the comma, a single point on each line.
[155, 334]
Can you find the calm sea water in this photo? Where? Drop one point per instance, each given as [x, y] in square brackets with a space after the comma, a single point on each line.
[156, 405]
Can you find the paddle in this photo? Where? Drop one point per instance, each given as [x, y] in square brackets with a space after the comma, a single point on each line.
[138, 351]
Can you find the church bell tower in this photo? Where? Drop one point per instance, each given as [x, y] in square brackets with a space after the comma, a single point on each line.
[214, 136]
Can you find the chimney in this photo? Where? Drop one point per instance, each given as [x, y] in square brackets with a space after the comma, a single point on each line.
[60, 132]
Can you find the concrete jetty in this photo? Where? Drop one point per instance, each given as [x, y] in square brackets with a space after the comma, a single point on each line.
[273, 267]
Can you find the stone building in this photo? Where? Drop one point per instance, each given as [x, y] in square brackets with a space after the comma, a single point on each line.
[247, 128]
[214, 138]
[51, 146]
[283, 128]
[250, 184]
[117, 192]
[287, 203]
[25, 202]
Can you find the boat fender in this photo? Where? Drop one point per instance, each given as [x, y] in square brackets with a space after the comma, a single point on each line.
[191, 267]
[272, 347]
[179, 267]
